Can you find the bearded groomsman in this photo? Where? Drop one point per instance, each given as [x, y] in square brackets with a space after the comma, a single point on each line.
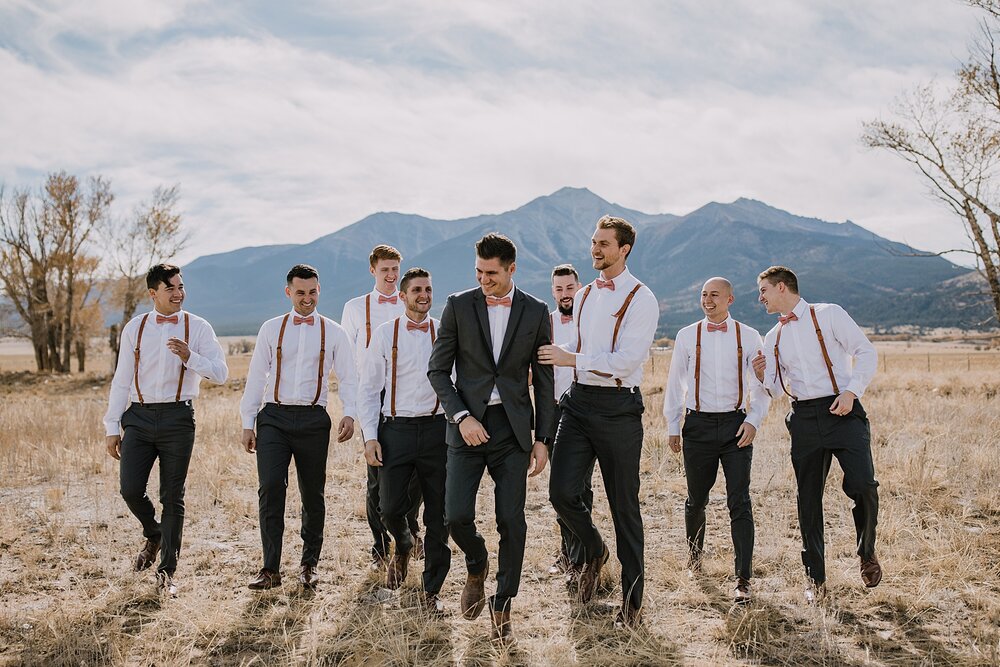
[410, 442]
[150, 401]
[810, 354]
[616, 318]
[712, 387]
[490, 336]
[565, 285]
[289, 372]
[361, 317]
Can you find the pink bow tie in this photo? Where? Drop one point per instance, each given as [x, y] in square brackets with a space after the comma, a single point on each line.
[565, 319]
[303, 320]
[792, 317]
[497, 301]
[724, 327]
[388, 299]
[160, 319]
[413, 326]
[606, 284]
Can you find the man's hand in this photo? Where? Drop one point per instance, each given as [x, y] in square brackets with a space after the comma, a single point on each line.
[473, 432]
[843, 404]
[180, 348]
[345, 430]
[759, 364]
[674, 442]
[746, 433]
[553, 355]
[114, 445]
[249, 441]
[373, 453]
[539, 457]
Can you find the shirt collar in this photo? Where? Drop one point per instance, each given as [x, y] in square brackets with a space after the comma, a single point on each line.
[800, 308]
[729, 318]
[376, 294]
[623, 278]
[157, 313]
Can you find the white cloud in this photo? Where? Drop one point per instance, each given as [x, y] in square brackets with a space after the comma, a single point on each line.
[452, 110]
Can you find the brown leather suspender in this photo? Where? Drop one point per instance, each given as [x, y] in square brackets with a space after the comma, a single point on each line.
[395, 355]
[822, 347]
[138, 344]
[619, 318]
[368, 320]
[322, 358]
[697, 367]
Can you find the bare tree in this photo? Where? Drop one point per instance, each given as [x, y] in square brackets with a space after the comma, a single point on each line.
[951, 136]
[152, 234]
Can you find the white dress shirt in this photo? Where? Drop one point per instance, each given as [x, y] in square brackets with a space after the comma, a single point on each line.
[597, 326]
[414, 395]
[299, 367]
[499, 317]
[719, 385]
[562, 334]
[353, 319]
[802, 365]
[159, 368]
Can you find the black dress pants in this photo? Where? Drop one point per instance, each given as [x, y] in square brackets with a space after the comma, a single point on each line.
[507, 465]
[380, 532]
[602, 423]
[414, 448]
[710, 439]
[163, 431]
[818, 436]
[570, 547]
[286, 432]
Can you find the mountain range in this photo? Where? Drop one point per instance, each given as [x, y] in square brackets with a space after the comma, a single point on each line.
[878, 281]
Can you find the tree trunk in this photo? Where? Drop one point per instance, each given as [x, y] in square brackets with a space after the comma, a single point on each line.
[81, 356]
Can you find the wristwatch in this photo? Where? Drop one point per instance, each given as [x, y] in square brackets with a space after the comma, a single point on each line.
[545, 441]
[459, 420]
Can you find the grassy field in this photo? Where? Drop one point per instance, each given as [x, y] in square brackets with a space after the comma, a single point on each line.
[68, 597]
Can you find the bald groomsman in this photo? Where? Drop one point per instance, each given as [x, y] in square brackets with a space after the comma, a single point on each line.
[565, 285]
[410, 442]
[809, 357]
[163, 356]
[361, 317]
[712, 387]
[289, 372]
[616, 318]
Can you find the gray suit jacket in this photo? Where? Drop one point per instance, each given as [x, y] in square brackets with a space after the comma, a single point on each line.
[464, 340]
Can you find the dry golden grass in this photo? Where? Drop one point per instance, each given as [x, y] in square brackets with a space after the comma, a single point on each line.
[67, 596]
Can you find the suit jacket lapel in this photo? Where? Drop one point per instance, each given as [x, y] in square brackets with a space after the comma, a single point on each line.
[516, 310]
[479, 305]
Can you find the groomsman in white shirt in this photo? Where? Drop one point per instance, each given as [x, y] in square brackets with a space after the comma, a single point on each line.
[565, 285]
[289, 373]
[712, 387]
[361, 317]
[809, 355]
[163, 356]
[616, 319]
[410, 443]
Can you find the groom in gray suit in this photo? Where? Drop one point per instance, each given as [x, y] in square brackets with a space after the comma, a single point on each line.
[490, 335]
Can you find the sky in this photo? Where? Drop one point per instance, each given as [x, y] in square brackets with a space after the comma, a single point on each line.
[282, 122]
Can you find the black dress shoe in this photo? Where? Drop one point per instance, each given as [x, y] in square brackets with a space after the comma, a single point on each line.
[308, 576]
[147, 556]
[264, 580]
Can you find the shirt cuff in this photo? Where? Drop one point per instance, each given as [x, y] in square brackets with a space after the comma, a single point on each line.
[674, 427]
[459, 415]
[113, 428]
[855, 389]
[754, 420]
[249, 423]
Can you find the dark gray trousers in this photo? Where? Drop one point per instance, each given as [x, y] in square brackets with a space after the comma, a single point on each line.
[570, 547]
[602, 423]
[710, 439]
[286, 432]
[414, 448]
[507, 465]
[373, 510]
[163, 431]
[817, 436]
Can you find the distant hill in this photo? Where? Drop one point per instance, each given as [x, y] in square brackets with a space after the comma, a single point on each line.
[870, 276]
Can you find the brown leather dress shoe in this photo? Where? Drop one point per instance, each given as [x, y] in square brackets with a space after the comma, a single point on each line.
[628, 617]
[417, 552]
[264, 580]
[147, 556]
[395, 574]
[165, 583]
[474, 594]
[590, 575]
[503, 632]
[308, 576]
[871, 572]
